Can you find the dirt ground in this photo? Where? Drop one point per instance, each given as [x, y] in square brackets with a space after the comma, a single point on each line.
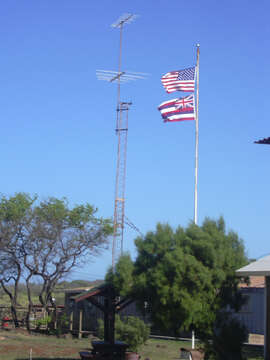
[19, 344]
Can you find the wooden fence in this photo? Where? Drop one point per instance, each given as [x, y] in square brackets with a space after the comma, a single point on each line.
[37, 314]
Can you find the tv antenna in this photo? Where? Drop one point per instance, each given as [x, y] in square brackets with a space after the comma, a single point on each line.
[122, 108]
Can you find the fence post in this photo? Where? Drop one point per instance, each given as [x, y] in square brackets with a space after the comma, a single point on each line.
[80, 324]
[71, 321]
[55, 318]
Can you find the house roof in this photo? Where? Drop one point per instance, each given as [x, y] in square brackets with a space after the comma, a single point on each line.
[263, 141]
[98, 290]
[254, 282]
[260, 267]
[76, 290]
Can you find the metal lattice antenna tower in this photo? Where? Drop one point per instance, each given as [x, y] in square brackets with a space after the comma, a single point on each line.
[120, 183]
[121, 132]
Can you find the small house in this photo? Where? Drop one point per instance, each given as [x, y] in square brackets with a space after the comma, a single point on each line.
[252, 312]
[84, 315]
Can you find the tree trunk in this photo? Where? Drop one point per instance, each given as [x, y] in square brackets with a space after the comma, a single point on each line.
[30, 304]
[53, 313]
[27, 320]
[14, 316]
[13, 301]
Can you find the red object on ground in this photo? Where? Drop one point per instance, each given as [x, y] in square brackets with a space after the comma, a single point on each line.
[5, 322]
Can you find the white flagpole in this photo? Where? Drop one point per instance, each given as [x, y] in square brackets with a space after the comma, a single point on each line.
[196, 139]
[196, 157]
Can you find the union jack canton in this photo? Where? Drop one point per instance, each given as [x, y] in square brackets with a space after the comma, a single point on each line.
[178, 109]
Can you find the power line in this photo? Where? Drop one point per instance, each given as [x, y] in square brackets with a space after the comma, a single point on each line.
[132, 226]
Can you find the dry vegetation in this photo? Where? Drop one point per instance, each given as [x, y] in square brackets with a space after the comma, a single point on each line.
[17, 345]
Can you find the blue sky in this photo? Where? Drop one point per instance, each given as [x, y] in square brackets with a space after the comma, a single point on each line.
[58, 121]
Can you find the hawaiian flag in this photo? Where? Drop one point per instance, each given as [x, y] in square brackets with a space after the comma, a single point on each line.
[181, 80]
[178, 109]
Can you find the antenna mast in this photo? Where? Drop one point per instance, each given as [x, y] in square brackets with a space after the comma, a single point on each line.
[121, 132]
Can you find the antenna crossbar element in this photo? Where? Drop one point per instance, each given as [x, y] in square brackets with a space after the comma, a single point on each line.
[124, 106]
[116, 77]
[124, 19]
[123, 76]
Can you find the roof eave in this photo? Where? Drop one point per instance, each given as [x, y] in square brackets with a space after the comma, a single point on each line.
[252, 273]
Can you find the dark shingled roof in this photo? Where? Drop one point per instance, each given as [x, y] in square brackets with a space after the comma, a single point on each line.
[263, 141]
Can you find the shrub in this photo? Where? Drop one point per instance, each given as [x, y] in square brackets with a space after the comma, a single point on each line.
[228, 338]
[130, 330]
[43, 322]
[62, 324]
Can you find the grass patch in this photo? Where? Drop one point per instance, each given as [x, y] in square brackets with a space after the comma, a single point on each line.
[16, 345]
[156, 349]
[253, 352]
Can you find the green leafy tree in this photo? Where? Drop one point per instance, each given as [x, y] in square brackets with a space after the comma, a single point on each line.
[122, 276]
[186, 276]
[60, 239]
[46, 240]
[15, 216]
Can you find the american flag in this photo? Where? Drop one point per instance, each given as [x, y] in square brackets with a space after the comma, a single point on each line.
[181, 80]
[178, 109]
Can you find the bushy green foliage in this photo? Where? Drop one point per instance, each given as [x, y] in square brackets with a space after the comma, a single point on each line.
[228, 337]
[45, 321]
[186, 276]
[122, 276]
[130, 330]
[100, 329]
[62, 324]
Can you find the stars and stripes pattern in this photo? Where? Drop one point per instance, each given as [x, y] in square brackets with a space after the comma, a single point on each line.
[180, 109]
[181, 80]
